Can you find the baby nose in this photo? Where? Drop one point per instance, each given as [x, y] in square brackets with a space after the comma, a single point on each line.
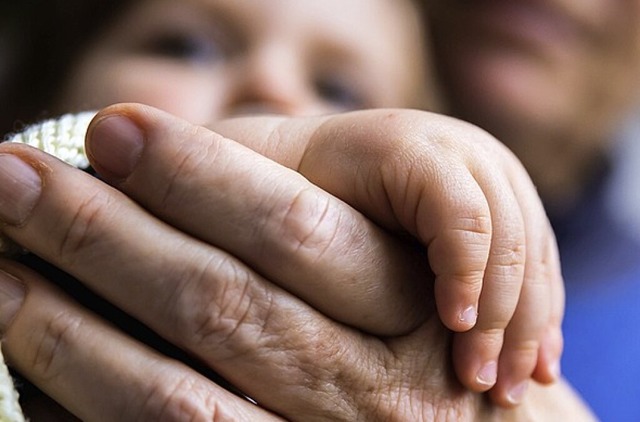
[270, 82]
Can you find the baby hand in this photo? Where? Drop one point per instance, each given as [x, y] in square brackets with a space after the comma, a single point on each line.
[471, 203]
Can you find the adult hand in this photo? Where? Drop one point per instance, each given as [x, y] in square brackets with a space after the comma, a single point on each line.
[458, 190]
[212, 323]
[100, 374]
[270, 344]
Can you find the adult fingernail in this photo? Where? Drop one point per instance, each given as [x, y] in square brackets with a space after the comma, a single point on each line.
[12, 293]
[20, 188]
[516, 393]
[488, 374]
[114, 145]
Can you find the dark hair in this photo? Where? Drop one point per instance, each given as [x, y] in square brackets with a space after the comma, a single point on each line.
[40, 40]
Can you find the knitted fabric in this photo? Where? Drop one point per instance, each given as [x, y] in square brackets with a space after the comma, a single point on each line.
[9, 407]
[63, 138]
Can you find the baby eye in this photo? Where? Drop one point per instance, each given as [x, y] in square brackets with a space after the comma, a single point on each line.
[340, 93]
[185, 47]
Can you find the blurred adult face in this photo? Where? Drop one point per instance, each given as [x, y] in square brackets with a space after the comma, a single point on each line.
[206, 59]
[550, 78]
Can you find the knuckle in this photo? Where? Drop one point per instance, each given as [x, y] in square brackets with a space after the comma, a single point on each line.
[83, 230]
[474, 232]
[461, 250]
[225, 306]
[470, 279]
[311, 225]
[60, 333]
[181, 399]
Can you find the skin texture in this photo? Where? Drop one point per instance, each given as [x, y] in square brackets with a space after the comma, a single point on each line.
[373, 378]
[551, 79]
[185, 60]
[204, 60]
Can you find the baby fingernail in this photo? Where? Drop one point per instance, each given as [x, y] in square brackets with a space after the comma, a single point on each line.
[516, 393]
[12, 293]
[115, 144]
[20, 188]
[469, 316]
[488, 374]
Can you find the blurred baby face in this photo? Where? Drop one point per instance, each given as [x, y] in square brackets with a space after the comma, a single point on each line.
[206, 59]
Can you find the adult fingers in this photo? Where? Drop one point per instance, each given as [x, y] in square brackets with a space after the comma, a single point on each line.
[269, 216]
[260, 338]
[98, 373]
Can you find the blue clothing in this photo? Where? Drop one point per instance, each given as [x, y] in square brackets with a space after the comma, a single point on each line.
[601, 267]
